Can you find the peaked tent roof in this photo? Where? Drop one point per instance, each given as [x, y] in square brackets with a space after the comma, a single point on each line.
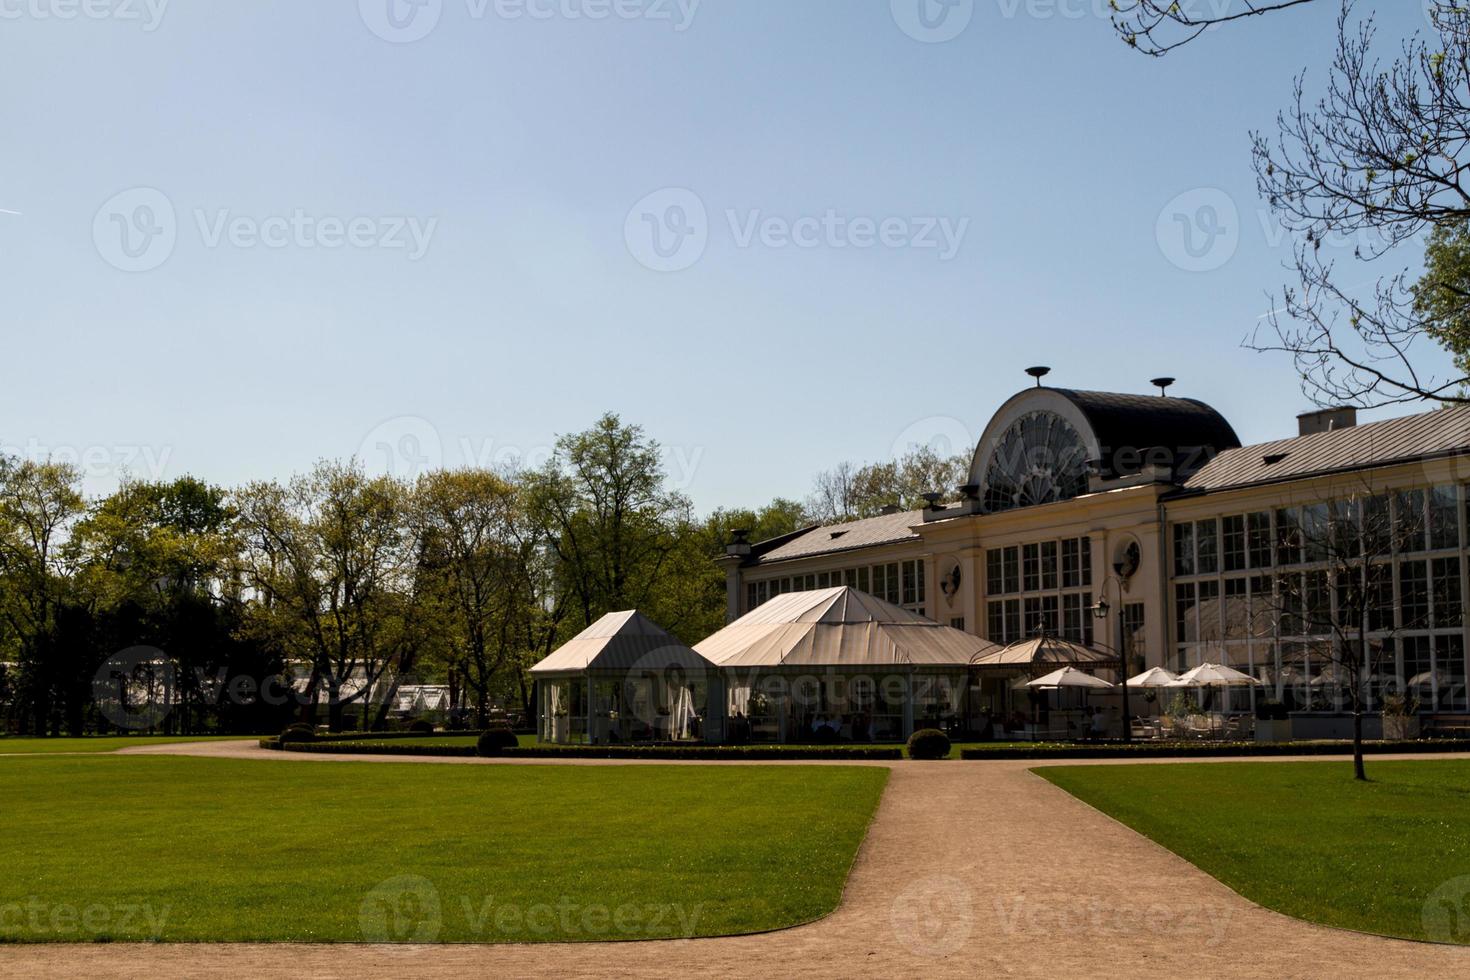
[1046, 650]
[838, 627]
[621, 641]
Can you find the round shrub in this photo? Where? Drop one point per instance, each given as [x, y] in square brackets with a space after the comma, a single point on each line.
[492, 742]
[299, 732]
[928, 743]
[421, 726]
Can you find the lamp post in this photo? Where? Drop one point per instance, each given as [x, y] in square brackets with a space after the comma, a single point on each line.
[1100, 612]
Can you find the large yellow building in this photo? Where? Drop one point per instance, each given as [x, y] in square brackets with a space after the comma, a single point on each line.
[1140, 522]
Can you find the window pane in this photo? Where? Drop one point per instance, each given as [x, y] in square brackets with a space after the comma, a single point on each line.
[1447, 605]
[1444, 521]
[1408, 520]
[1414, 594]
[1260, 539]
[1031, 568]
[1288, 536]
[1206, 547]
[1049, 565]
[1184, 619]
[1233, 543]
[1184, 549]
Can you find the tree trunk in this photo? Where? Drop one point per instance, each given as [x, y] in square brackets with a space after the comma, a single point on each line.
[1358, 772]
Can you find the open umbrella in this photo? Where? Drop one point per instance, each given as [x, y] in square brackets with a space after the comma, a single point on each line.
[1153, 677]
[1214, 675]
[1069, 677]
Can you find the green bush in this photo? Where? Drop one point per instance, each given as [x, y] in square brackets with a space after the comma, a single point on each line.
[421, 726]
[298, 732]
[495, 741]
[929, 743]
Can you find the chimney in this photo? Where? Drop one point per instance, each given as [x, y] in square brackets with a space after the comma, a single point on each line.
[740, 545]
[1326, 420]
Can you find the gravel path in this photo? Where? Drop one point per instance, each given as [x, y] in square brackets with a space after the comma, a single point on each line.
[968, 869]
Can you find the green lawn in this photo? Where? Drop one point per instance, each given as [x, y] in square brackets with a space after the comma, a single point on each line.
[16, 745]
[181, 849]
[1391, 856]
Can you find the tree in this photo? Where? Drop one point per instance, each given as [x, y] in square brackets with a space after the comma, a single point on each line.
[1377, 160]
[473, 562]
[847, 492]
[1442, 294]
[1343, 596]
[1157, 27]
[331, 565]
[39, 504]
[606, 515]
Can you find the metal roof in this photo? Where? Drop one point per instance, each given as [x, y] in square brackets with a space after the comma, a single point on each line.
[839, 627]
[1441, 432]
[1130, 425]
[829, 538]
[620, 641]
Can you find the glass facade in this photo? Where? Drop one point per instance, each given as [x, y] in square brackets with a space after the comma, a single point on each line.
[899, 582]
[1291, 593]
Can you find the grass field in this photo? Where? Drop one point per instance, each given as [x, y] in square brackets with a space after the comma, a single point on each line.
[1391, 856]
[180, 849]
[15, 745]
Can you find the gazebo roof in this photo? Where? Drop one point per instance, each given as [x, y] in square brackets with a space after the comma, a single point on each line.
[621, 641]
[1045, 650]
[838, 627]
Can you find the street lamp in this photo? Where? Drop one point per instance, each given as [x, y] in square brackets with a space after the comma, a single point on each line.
[1100, 612]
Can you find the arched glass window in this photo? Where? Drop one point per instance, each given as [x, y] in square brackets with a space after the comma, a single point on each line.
[1040, 458]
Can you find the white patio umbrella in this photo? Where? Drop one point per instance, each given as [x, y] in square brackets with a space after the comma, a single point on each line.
[1069, 677]
[1153, 677]
[1214, 675]
[1438, 678]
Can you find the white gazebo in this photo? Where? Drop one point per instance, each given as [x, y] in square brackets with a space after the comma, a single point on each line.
[841, 664]
[624, 679]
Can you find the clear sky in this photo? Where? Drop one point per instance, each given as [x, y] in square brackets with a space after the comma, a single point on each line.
[253, 235]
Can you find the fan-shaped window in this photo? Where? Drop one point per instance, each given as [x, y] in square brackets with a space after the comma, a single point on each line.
[1040, 458]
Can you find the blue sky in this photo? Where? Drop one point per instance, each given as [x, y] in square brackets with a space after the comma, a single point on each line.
[253, 235]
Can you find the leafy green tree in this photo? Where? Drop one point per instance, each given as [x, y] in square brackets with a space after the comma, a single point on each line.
[849, 492]
[473, 565]
[39, 504]
[331, 562]
[1442, 294]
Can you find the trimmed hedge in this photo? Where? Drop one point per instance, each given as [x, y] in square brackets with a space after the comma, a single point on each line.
[929, 743]
[760, 752]
[1185, 750]
[496, 741]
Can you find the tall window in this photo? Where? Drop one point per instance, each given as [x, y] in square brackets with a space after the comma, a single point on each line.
[1043, 586]
[901, 583]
